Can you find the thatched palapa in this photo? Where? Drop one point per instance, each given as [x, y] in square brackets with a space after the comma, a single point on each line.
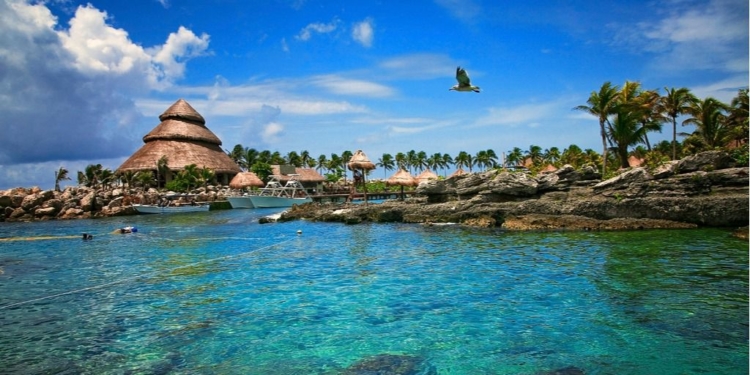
[245, 179]
[402, 178]
[360, 161]
[458, 172]
[427, 175]
[182, 136]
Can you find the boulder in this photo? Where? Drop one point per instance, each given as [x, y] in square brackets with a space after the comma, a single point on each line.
[514, 184]
[705, 161]
[31, 201]
[45, 211]
[5, 201]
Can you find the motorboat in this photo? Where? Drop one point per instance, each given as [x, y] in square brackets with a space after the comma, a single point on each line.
[274, 194]
[240, 201]
[170, 206]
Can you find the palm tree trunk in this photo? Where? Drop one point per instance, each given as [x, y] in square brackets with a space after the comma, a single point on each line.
[674, 138]
[604, 147]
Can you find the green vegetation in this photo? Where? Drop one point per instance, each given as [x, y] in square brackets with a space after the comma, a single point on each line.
[627, 115]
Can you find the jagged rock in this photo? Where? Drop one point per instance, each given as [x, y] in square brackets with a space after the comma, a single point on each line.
[17, 213]
[87, 202]
[634, 199]
[46, 211]
[115, 203]
[5, 201]
[705, 161]
[665, 170]
[71, 213]
[31, 201]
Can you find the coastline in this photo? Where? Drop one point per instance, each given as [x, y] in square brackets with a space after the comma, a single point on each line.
[702, 190]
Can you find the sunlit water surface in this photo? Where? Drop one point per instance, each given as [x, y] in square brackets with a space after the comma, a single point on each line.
[218, 293]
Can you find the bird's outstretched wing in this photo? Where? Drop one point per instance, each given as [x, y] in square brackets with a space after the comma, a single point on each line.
[462, 77]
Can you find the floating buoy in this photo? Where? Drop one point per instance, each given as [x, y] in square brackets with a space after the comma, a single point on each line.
[299, 231]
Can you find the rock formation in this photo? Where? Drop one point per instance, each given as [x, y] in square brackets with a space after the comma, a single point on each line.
[706, 189]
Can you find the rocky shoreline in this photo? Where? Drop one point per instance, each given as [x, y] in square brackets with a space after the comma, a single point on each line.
[80, 202]
[703, 190]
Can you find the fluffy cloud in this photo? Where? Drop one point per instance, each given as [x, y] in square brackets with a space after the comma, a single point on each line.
[694, 36]
[344, 86]
[321, 28]
[363, 32]
[65, 93]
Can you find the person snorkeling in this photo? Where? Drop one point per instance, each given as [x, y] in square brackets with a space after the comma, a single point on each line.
[125, 230]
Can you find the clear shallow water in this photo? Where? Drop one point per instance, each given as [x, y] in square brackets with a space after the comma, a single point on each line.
[217, 293]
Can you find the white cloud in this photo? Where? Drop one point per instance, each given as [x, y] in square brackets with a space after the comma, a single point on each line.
[465, 10]
[99, 48]
[321, 28]
[363, 32]
[521, 115]
[284, 45]
[419, 66]
[344, 86]
[271, 132]
[164, 3]
[705, 36]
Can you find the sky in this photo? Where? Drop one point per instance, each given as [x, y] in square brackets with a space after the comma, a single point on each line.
[81, 82]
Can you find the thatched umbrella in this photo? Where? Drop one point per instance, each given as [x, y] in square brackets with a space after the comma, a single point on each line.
[427, 175]
[359, 161]
[402, 178]
[245, 179]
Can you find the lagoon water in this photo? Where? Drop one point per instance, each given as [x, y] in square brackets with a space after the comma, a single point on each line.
[218, 293]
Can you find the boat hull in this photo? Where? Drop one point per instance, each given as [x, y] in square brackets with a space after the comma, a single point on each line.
[260, 201]
[240, 202]
[151, 209]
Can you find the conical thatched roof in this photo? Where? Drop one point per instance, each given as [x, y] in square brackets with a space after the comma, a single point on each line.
[304, 174]
[402, 178]
[427, 175]
[182, 136]
[548, 169]
[360, 161]
[458, 172]
[245, 179]
[634, 161]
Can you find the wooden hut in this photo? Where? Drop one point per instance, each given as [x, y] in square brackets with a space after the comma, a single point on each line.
[183, 138]
[310, 178]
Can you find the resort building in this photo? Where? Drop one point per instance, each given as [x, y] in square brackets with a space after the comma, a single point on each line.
[183, 138]
[310, 178]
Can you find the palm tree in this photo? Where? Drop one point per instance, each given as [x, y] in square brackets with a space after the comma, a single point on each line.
[128, 178]
[551, 156]
[237, 153]
[145, 178]
[447, 160]
[346, 156]
[401, 160]
[514, 158]
[421, 160]
[162, 168]
[573, 155]
[248, 157]
[411, 160]
[676, 102]
[206, 175]
[190, 175]
[463, 159]
[60, 174]
[708, 117]
[435, 162]
[387, 163]
[737, 121]
[534, 154]
[322, 162]
[625, 132]
[602, 105]
[647, 104]
[482, 159]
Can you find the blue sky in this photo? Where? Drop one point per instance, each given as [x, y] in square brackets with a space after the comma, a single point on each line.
[83, 82]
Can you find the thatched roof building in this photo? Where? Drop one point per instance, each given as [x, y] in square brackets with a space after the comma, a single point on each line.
[182, 136]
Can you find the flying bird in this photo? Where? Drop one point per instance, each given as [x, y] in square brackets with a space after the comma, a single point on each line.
[464, 83]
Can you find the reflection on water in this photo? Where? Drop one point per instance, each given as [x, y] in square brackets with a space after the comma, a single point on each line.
[218, 293]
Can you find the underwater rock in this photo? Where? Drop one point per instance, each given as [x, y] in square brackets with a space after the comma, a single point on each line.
[391, 364]
[570, 370]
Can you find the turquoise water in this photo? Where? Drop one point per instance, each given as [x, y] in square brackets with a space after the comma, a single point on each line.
[218, 293]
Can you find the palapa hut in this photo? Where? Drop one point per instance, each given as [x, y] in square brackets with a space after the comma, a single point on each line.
[548, 169]
[310, 179]
[458, 172]
[244, 180]
[427, 175]
[183, 138]
[402, 178]
[360, 162]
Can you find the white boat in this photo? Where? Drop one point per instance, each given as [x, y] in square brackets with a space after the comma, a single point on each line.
[169, 206]
[276, 195]
[241, 201]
